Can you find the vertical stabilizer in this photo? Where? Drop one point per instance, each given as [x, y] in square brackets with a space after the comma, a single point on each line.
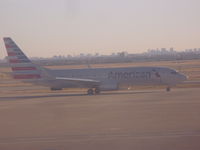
[22, 67]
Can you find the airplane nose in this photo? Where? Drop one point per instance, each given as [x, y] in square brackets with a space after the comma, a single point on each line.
[183, 77]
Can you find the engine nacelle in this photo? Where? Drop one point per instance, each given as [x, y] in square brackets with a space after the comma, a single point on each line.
[108, 86]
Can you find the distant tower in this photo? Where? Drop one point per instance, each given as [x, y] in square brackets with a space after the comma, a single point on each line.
[163, 50]
[171, 49]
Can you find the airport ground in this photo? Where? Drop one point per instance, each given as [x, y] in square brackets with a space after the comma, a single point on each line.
[33, 117]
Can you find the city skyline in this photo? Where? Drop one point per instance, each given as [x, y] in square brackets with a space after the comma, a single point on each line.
[47, 28]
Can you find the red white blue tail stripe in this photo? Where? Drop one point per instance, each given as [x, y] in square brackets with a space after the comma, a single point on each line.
[21, 66]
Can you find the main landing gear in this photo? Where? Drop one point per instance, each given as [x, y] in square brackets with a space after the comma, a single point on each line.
[93, 91]
[55, 89]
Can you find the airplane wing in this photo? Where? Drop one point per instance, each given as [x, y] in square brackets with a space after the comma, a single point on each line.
[88, 82]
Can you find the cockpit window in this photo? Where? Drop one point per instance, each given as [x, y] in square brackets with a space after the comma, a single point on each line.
[173, 72]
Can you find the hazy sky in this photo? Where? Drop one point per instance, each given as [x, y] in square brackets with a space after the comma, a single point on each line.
[52, 27]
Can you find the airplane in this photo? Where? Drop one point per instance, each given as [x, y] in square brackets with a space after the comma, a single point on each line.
[93, 79]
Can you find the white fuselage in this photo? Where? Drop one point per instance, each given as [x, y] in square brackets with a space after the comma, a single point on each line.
[92, 78]
[112, 78]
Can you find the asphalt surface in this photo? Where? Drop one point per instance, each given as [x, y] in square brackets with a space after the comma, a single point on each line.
[123, 120]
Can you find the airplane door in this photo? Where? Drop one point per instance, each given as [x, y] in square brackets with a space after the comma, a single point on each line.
[156, 76]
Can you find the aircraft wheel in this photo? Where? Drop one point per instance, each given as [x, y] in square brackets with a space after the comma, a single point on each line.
[90, 92]
[168, 89]
[55, 89]
[97, 91]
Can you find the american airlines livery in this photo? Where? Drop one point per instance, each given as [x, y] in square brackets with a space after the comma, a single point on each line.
[94, 79]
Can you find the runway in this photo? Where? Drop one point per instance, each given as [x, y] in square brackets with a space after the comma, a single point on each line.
[121, 120]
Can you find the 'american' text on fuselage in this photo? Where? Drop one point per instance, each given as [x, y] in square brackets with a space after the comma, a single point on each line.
[129, 75]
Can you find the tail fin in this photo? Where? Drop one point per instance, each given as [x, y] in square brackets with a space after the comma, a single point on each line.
[22, 67]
